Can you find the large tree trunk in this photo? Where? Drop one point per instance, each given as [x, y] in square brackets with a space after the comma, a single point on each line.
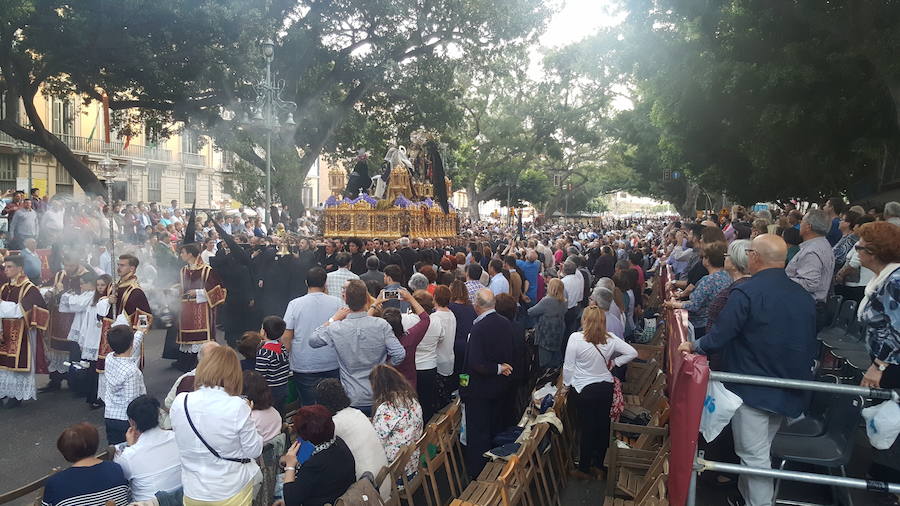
[688, 208]
[472, 193]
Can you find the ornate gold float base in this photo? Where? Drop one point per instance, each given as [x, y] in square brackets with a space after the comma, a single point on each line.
[365, 219]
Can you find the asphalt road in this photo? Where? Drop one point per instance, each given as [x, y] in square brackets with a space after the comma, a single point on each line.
[28, 434]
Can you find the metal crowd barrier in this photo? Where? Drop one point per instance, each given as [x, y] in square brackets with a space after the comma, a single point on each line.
[701, 464]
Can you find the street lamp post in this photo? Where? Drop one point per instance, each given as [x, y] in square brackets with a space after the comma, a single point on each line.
[268, 106]
[29, 149]
[108, 169]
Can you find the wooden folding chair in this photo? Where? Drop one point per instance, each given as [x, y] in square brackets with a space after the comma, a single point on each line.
[542, 464]
[458, 457]
[412, 485]
[393, 472]
[641, 453]
[654, 495]
[440, 459]
[632, 481]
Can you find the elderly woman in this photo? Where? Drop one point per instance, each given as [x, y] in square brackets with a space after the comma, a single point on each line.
[736, 265]
[605, 297]
[216, 435]
[417, 281]
[89, 480]
[328, 472]
[879, 313]
[713, 256]
[550, 329]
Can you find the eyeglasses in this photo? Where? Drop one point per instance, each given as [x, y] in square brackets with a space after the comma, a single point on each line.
[857, 247]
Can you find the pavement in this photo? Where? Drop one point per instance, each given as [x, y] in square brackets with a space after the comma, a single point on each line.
[29, 433]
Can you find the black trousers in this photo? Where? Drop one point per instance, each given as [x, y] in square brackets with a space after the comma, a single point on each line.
[484, 420]
[850, 292]
[427, 389]
[573, 323]
[593, 404]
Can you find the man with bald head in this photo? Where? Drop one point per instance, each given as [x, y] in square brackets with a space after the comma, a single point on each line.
[485, 379]
[767, 328]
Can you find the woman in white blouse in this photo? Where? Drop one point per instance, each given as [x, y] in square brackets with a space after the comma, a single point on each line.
[434, 355]
[219, 443]
[590, 354]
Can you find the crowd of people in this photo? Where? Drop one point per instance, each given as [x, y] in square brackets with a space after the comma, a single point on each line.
[371, 337]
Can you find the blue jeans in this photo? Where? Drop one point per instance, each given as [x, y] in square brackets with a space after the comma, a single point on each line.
[306, 383]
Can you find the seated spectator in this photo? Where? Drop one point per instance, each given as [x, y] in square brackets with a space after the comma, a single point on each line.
[150, 457]
[90, 480]
[266, 418]
[220, 443]
[328, 472]
[355, 428]
[397, 414]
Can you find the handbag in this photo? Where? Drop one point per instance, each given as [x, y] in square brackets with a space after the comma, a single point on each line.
[618, 400]
[210, 448]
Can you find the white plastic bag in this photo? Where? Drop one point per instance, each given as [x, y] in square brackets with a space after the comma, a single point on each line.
[718, 408]
[882, 424]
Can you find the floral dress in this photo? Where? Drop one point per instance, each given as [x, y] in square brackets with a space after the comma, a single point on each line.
[706, 290]
[881, 317]
[398, 426]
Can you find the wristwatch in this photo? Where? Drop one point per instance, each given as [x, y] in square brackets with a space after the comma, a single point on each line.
[881, 367]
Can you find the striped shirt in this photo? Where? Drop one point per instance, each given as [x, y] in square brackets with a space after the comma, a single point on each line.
[336, 280]
[272, 362]
[87, 486]
[124, 381]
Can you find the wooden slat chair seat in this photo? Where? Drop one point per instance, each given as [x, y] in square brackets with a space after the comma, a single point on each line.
[435, 453]
[392, 472]
[656, 495]
[651, 397]
[411, 486]
[640, 455]
[541, 463]
[448, 432]
[632, 480]
[641, 384]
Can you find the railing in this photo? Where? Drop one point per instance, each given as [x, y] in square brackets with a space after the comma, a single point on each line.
[87, 146]
[193, 159]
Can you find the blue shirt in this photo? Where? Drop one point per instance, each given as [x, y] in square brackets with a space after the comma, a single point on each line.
[303, 316]
[703, 294]
[767, 328]
[531, 270]
[499, 284]
[834, 235]
[95, 484]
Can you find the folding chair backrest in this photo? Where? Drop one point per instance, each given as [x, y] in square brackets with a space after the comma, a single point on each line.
[847, 314]
[833, 307]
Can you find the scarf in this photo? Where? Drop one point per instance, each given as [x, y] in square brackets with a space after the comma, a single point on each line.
[875, 284]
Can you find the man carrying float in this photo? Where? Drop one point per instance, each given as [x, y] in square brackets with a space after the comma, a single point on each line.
[24, 317]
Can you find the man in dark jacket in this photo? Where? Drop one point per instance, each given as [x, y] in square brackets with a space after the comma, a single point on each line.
[486, 379]
[233, 265]
[408, 258]
[767, 328]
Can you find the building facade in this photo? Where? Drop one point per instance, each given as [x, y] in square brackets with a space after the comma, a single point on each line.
[183, 167]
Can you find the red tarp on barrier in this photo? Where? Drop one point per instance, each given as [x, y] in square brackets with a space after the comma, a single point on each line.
[686, 401]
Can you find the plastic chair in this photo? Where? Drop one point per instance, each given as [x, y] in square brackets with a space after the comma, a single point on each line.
[812, 422]
[845, 316]
[831, 450]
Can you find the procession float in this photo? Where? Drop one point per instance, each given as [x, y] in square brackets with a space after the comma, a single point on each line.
[410, 197]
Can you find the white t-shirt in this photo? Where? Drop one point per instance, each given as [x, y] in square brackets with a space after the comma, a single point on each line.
[436, 348]
[585, 363]
[152, 464]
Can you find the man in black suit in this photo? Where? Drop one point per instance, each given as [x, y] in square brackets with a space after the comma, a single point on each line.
[486, 379]
[408, 258]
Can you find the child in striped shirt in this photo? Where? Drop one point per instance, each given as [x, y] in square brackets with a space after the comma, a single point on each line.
[272, 359]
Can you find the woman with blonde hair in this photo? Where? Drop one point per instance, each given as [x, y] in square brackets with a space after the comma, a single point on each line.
[216, 435]
[550, 328]
[590, 354]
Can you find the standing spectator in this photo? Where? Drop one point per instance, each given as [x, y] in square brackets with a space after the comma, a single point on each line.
[217, 438]
[485, 379]
[892, 213]
[393, 274]
[813, 266]
[337, 279]
[32, 260]
[739, 272]
[848, 239]
[751, 332]
[573, 282]
[357, 260]
[590, 356]
[834, 208]
[89, 480]
[473, 281]
[604, 296]
[709, 286]
[397, 415]
[409, 328]
[879, 313]
[357, 431]
[434, 354]
[372, 273]
[464, 314]
[506, 306]
[498, 284]
[304, 315]
[328, 472]
[272, 359]
[123, 378]
[209, 250]
[531, 267]
[361, 342]
[551, 325]
[23, 224]
[150, 458]
[851, 280]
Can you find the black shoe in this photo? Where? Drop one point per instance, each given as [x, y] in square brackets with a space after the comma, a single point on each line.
[51, 387]
[736, 500]
[97, 404]
[12, 403]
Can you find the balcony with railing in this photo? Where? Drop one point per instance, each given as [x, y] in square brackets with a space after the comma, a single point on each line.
[87, 146]
[193, 159]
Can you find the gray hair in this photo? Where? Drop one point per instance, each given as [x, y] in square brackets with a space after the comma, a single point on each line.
[484, 299]
[404, 241]
[892, 210]
[737, 253]
[417, 281]
[765, 215]
[818, 221]
[373, 263]
[603, 293]
[569, 267]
